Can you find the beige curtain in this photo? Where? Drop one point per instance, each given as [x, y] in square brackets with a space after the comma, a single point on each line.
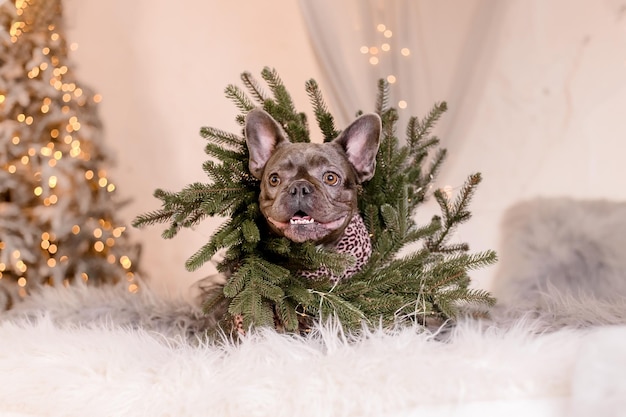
[429, 51]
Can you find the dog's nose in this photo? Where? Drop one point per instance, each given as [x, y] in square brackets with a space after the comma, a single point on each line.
[300, 188]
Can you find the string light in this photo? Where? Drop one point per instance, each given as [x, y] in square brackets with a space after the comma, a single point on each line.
[448, 191]
[125, 262]
[374, 54]
[21, 266]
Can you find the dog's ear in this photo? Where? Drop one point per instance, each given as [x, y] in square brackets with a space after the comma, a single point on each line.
[360, 142]
[263, 135]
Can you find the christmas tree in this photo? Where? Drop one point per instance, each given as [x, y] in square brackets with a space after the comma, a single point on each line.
[57, 205]
[265, 286]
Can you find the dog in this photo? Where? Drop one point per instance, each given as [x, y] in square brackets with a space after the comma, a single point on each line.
[309, 190]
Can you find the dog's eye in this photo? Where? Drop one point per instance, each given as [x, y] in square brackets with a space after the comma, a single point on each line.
[274, 180]
[331, 178]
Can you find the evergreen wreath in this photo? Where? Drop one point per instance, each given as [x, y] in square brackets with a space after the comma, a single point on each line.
[263, 286]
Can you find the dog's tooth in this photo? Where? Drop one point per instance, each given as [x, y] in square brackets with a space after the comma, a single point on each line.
[302, 221]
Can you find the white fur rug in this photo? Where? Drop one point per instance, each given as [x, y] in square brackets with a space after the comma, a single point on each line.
[104, 352]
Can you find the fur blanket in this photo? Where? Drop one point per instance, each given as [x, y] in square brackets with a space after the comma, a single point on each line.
[106, 352]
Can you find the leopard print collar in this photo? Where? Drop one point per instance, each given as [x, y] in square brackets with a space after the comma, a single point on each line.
[356, 242]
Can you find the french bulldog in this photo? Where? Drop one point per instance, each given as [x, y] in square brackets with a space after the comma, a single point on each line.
[309, 190]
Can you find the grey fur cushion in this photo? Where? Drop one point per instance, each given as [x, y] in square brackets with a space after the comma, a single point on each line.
[562, 247]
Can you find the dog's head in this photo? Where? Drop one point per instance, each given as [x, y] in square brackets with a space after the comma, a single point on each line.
[309, 190]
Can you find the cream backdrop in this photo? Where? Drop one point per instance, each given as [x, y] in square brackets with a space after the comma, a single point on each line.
[537, 91]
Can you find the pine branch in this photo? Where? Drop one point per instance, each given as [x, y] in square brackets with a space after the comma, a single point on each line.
[220, 137]
[239, 98]
[460, 207]
[152, 218]
[226, 236]
[417, 131]
[331, 305]
[284, 102]
[382, 102]
[254, 88]
[286, 314]
[325, 120]
[224, 155]
[268, 290]
[453, 214]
